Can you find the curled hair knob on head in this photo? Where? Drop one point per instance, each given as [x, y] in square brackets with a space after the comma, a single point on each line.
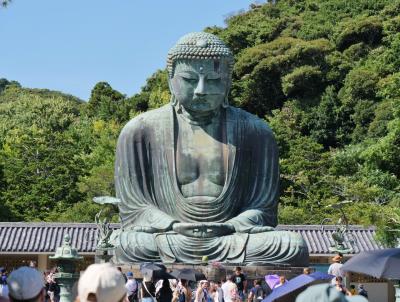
[199, 45]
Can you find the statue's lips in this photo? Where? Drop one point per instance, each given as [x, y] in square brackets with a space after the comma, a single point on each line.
[201, 107]
[200, 101]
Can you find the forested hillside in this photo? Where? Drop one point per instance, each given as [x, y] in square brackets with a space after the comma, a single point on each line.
[324, 74]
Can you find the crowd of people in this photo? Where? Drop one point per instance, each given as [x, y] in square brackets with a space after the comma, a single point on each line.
[50, 286]
[335, 269]
[105, 283]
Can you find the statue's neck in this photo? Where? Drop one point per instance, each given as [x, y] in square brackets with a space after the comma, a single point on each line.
[197, 118]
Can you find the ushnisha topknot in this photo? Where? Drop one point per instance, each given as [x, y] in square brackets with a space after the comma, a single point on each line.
[199, 45]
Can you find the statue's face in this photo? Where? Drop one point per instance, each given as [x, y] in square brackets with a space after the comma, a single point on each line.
[200, 85]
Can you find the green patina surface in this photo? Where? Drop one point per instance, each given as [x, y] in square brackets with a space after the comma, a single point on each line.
[198, 177]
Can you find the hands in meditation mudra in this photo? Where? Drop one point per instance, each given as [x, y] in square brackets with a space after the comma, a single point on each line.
[198, 177]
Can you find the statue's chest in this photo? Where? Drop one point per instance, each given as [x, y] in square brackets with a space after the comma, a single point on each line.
[200, 155]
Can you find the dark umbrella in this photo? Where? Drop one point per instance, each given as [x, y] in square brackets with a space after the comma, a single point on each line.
[383, 263]
[289, 290]
[188, 274]
[154, 271]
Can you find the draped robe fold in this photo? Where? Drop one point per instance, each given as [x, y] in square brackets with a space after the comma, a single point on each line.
[151, 201]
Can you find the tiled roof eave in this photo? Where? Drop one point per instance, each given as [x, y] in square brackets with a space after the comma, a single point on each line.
[45, 237]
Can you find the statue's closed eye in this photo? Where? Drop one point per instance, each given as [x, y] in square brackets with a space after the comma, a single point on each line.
[190, 80]
[188, 76]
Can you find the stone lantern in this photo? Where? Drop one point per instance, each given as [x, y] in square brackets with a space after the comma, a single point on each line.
[66, 259]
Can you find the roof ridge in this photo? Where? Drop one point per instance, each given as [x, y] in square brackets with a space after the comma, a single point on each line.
[89, 224]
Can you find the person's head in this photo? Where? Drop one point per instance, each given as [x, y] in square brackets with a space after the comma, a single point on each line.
[212, 287]
[173, 283]
[50, 278]
[203, 284]
[129, 275]
[101, 283]
[257, 282]
[119, 268]
[282, 279]
[306, 271]
[338, 280]
[337, 258]
[352, 286]
[200, 68]
[26, 284]
[32, 264]
[238, 270]
[232, 278]
[184, 282]
[360, 286]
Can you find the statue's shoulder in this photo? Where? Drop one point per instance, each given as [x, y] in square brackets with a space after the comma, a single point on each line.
[149, 120]
[250, 120]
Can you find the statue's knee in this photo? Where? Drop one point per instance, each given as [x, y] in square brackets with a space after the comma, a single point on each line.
[297, 239]
[138, 240]
[136, 247]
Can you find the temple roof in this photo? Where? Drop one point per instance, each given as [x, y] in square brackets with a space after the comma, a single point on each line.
[45, 237]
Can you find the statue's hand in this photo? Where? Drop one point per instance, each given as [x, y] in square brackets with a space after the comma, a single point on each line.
[254, 229]
[149, 229]
[261, 229]
[144, 229]
[203, 230]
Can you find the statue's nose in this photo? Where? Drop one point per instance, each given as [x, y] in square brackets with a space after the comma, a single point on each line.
[200, 89]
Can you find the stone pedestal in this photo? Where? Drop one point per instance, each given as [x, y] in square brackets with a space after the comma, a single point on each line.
[104, 255]
[214, 273]
[66, 282]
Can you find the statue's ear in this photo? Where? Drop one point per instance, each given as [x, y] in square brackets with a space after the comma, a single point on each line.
[225, 104]
[170, 85]
[171, 89]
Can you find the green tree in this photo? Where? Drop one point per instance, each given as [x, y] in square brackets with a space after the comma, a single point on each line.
[40, 155]
[5, 3]
[106, 103]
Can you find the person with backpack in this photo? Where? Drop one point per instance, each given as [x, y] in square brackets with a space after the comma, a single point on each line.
[165, 293]
[132, 287]
[148, 290]
[256, 293]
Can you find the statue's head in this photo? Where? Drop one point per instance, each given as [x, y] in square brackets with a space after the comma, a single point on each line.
[200, 68]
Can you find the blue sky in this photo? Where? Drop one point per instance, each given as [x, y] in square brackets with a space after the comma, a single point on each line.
[71, 45]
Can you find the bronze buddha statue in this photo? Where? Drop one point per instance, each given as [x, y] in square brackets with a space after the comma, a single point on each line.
[198, 177]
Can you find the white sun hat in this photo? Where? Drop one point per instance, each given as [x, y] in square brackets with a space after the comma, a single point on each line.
[103, 280]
